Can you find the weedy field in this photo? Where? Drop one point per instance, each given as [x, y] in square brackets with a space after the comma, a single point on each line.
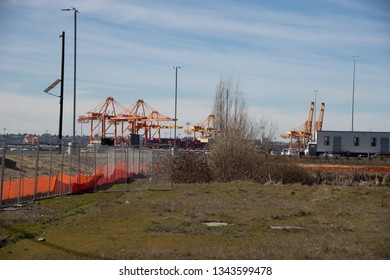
[260, 222]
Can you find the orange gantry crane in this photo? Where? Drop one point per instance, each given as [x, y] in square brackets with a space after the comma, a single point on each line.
[299, 138]
[101, 119]
[141, 116]
[205, 127]
[105, 119]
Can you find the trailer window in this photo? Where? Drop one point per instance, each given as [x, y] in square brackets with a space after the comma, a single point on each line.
[356, 141]
[373, 142]
[326, 140]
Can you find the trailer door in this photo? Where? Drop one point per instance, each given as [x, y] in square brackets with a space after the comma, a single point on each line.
[384, 145]
[337, 144]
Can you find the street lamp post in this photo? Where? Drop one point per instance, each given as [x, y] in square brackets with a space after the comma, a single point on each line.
[353, 86]
[174, 133]
[72, 9]
[61, 93]
[61, 96]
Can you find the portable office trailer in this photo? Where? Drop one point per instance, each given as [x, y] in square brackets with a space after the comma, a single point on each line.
[353, 143]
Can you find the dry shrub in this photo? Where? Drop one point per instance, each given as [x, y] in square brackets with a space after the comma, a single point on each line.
[190, 168]
[233, 159]
[386, 180]
[285, 171]
[350, 178]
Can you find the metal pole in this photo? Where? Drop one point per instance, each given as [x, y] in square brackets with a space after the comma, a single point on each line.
[353, 86]
[2, 172]
[36, 172]
[21, 172]
[174, 133]
[62, 93]
[50, 168]
[187, 123]
[95, 167]
[62, 172]
[227, 109]
[74, 70]
[74, 82]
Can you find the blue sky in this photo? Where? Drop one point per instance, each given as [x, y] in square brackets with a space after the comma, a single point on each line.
[280, 51]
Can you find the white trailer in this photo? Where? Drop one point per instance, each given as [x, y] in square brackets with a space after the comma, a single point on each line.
[353, 143]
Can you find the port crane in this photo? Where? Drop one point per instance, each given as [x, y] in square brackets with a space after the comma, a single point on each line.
[101, 119]
[299, 138]
[205, 128]
[112, 119]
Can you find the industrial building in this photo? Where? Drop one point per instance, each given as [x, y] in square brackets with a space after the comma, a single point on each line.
[353, 143]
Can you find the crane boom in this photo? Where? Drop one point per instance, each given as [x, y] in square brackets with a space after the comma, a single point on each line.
[304, 134]
[320, 117]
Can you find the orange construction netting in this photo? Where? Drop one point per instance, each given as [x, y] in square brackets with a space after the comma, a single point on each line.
[348, 168]
[62, 183]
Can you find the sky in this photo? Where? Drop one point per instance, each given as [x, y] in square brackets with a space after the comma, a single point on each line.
[280, 52]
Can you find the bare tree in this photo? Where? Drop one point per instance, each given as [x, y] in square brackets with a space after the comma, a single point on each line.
[267, 128]
[230, 111]
[233, 152]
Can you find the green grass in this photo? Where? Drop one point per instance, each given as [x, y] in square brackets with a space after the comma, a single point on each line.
[338, 223]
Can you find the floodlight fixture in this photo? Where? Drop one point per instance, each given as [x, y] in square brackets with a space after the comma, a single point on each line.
[70, 9]
[53, 85]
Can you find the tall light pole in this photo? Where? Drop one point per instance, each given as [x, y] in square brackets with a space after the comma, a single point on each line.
[315, 115]
[353, 86]
[72, 9]
[62, 92]
[174, 133]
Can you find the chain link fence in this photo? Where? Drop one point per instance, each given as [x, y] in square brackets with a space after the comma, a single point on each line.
[32, 172]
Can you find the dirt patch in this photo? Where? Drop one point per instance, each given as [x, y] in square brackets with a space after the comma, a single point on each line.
[215, 224]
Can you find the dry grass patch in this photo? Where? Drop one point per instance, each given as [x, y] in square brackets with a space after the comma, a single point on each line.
[338, 223]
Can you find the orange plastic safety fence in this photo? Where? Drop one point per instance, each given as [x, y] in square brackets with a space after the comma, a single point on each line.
[348, 168]
[58, 184]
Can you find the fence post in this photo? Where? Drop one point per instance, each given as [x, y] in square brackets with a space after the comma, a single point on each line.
[127, 165]
[70, 185]
[139, 161]
[171, 159]
[50, 168]
[133, 156]
[78, 163]
[36, 172]
[62, 167]
[114, 169]
[20, 172]
[107, 163]
[2, 173]
[95, 167]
